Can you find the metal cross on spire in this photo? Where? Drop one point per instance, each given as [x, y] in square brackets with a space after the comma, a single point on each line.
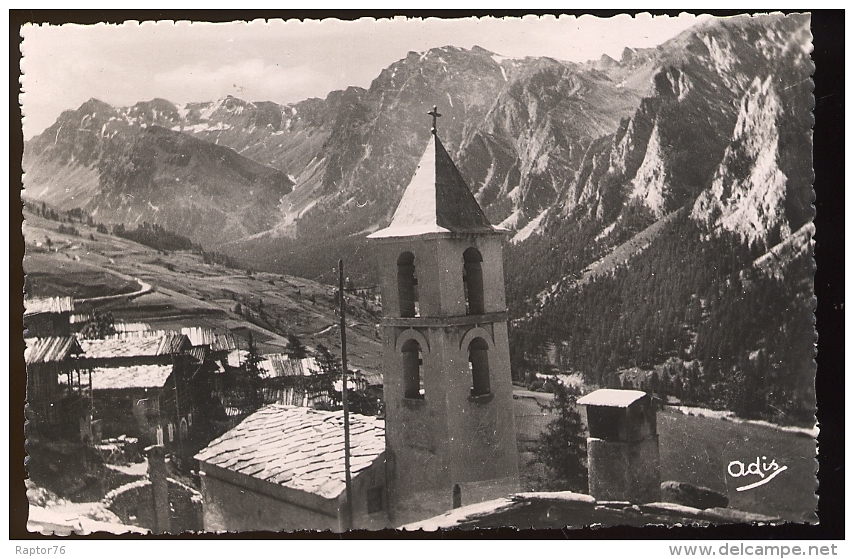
[435, 114]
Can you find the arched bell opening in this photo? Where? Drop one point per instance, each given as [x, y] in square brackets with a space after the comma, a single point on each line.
[407, 285]
[479, 367]
[473, 281]
[413, 378]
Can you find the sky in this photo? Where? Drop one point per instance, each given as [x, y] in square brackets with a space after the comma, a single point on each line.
[285, 61]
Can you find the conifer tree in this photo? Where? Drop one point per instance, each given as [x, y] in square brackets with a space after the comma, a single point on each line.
[295, 348]
[254, 372]
[562, 447]
[98, 326]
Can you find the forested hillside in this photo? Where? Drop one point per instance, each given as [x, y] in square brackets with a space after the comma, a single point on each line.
[691, 318]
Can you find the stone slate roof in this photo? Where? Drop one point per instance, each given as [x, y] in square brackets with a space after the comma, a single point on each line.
[164, 343]
[608, 397]
[135, 376]
[566, 509]
[437, 200]
[48, 305]
[299, 448]
[51, 350]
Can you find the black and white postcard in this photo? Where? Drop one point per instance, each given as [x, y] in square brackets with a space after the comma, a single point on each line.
[419, 274]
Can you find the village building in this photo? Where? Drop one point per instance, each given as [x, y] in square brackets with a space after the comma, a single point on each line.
[129, 401]
[153, 385]
[211, 358]
[139, 383]
[303, 382]
[293, 382]
[622, 449]
[48, 317]
[218, 345]
[369, 383]
[282, 469]
[143, 348]
[57, 387]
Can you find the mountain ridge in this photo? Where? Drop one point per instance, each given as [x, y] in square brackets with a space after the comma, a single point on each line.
[536, 138]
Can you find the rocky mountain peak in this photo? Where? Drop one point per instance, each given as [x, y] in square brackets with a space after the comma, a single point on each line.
[94, 106]
[477, 49]
[747, 194]
[628, 54]
[607, 62]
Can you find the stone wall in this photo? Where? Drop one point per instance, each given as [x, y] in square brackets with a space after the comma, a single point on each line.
[235, 508]
[234, 502]
[133, 503]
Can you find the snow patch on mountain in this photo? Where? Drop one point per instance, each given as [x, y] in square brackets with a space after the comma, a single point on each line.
[774, 262]
[511, 220]
[207, 112]
[683, 86]
[206, 127]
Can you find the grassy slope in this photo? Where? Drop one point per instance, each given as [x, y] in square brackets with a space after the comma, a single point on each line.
[52, 275]
[188, 292]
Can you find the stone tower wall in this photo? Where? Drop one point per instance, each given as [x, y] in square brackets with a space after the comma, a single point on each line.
[450, 437]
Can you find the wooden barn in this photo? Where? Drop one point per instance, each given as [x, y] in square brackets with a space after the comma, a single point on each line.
[48, 317]
[57, 386]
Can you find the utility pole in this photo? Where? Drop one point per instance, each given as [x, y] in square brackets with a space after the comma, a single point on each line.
[348, 483]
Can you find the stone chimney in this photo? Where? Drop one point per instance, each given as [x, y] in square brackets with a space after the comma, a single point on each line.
[622, 450]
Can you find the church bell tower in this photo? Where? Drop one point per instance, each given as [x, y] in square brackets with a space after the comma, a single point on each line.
[450, 436]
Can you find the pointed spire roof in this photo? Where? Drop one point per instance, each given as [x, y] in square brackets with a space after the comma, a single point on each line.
[437, 200]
